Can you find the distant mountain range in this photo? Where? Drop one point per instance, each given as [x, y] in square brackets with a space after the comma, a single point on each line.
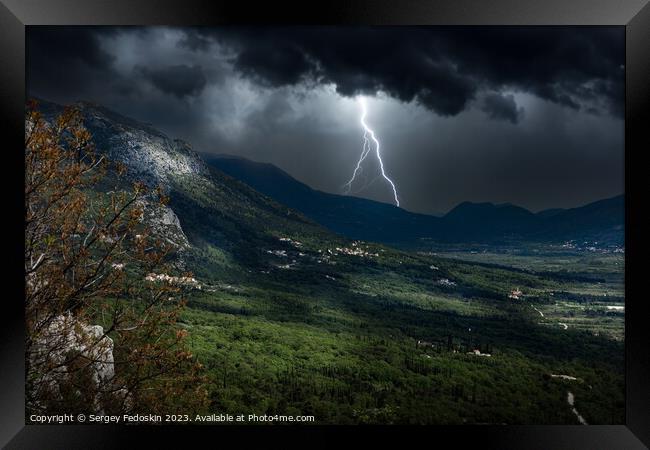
[357, 218]
[239, 206]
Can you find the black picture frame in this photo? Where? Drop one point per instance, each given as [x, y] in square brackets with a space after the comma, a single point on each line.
[634, 15]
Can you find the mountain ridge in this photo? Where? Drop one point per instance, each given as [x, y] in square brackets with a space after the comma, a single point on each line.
[279, 202]
[474, 221]
[227, 224]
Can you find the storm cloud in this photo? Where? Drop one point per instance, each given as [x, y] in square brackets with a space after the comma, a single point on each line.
[66, 57]
[503, 107]
[443, 68]
[179, 80]
[529, 115]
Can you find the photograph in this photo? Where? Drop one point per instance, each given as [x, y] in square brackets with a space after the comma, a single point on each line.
[274, 225]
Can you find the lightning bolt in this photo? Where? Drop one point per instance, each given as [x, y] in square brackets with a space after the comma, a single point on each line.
[369, 135]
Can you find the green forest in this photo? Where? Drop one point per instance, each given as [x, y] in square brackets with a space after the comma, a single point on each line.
[279, 315]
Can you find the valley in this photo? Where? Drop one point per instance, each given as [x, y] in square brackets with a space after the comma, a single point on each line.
[380, 340]
[290, 316]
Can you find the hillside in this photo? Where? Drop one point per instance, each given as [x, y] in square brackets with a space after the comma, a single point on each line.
[601, 221]
[228, 224]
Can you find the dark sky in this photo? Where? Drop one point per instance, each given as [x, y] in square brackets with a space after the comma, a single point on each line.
[526, 115]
